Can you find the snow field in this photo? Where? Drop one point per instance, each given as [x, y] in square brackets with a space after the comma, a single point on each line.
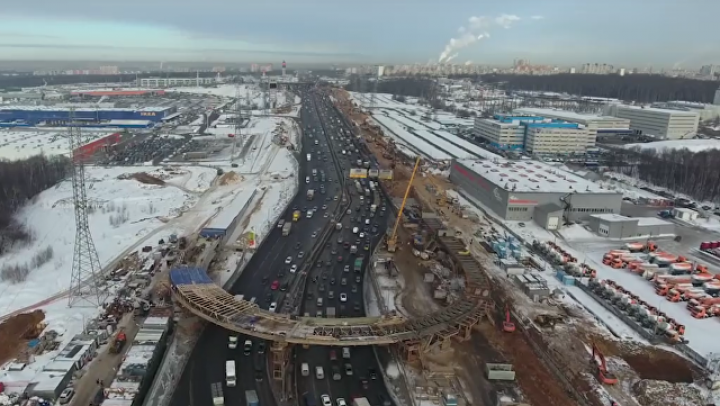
[22, 144]
[398, 132]
[692, 145]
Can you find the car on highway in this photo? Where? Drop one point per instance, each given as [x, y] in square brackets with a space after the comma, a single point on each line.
[314, 234]
[336, 375]
[343, 297]
[333, 355]
[273, 307]
[300, 254]
[275, 285]
[66, 395]
[346, 268]
[288, 259]
[372, 373]
[320, 374]
[346, 352]
[340, 258]
[353, 288]
[325, 399]
[340, 402]
[362, 235]
[348, 369]
[364, 383]
[261, 347]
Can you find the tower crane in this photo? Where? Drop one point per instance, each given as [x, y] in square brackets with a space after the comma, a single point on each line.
[392, 239]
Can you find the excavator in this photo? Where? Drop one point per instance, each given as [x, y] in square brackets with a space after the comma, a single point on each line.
[508, 326]
[392, 238]
[598, 361]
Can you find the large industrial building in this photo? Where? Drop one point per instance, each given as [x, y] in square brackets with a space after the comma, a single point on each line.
[668, 124]
[531, 190]
[601, 125]
[534, 135]
[174, 82]
[617, 226]
[12, 116]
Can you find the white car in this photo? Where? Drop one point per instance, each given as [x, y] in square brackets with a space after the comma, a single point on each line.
[293, 268]
[340, 402]
[343, 297]
[326, 400]
[288, 260]
[362, 235]
[273, 307]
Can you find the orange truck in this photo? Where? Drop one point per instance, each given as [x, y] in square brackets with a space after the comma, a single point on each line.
[701, 312]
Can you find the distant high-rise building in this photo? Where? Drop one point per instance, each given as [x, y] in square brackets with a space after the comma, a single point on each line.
[709, 70]
[716, 100]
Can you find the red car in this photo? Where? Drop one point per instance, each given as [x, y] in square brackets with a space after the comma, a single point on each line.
[275, 285]
[333, 355]
[340, 258]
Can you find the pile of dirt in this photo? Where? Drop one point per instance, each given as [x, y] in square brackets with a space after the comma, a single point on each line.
[652, 393]
[230, 178]
[16, 331]
[144, 177]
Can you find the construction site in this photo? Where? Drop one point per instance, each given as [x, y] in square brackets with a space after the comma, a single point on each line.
[536, 345]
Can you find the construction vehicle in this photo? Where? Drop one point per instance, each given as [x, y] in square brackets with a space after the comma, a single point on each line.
[392, 240]
[598, 361]
[702, 312]
[508, 326]
[296, 215]
[119, 342]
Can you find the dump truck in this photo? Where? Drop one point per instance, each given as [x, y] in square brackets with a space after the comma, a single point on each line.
[251, 398]
[119, 342]
[330, 312]
[310, 194]
[357, 267]
[217, 394]
[296, 215]
[286, 229]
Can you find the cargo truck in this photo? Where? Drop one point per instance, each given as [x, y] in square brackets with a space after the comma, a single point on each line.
[251, 398]
[310, 194]
[296, 215]
[330, 312]
[286, 229]
[358, 265]
[230, 377]
[360, 402]
[217, 394]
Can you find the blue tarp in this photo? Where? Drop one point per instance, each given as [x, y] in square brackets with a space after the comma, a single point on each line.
[212, 232]
[186, 275]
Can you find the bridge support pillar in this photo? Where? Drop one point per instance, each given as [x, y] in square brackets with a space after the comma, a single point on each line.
[412, 350]
[280, 359]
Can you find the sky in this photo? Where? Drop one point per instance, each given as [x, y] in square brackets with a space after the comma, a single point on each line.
[630, 33]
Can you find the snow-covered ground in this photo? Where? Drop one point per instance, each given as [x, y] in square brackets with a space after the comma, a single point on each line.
[692, 145]
[397, 131]
[249, 92]
[20, 144]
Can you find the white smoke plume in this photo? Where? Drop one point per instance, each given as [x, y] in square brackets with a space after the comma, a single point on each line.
[475, 30]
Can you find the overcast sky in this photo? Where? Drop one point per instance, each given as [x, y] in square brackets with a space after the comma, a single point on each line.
[631, 33]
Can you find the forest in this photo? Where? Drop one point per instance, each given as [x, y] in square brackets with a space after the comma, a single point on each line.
[636, 87]
[20, 182]
[694, 174]
[414, 87]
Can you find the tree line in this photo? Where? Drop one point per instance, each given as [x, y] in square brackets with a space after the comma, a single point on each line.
[691, 173]
[20, 182]
[413, 87]
[635, 87]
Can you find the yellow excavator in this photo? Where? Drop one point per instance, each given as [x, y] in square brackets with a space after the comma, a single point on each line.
[392, 239]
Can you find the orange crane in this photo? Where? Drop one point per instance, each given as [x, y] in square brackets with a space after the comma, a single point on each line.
[392, 239]
[508, 326]
[598, 360]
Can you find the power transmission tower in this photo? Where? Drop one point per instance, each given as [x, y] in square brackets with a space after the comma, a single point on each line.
[84, 280]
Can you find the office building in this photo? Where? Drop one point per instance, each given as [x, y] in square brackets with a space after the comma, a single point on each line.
[534, 135]
[667, 124]
[174, 82]
[532, 190]
[598, 125]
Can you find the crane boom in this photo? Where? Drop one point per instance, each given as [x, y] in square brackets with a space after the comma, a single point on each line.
[392, 241]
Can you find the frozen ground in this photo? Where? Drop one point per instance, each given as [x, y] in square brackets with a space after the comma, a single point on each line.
[250, 92]
[20, 144]
[397, 131]
[692, 145]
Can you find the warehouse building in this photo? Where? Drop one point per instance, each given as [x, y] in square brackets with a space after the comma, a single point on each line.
[705, 111]
[59, 116]
[668, 124]
[532, 190]
[535, 135]
[602, 125]
[174, 82]
[617, 226]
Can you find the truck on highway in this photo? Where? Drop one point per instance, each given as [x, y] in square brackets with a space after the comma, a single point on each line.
[286, 229]
[310, 194]
[373, 208]
[251, 398]
[217, 394]
[296, 215]
[360, 402]
[330, 312]
[357, 267]
[230, 377]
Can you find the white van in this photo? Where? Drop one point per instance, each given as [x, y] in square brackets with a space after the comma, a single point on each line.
[319, 302]
[319, 372]
[305, 369]
[308, 157]
[307, 179]
[355, 230]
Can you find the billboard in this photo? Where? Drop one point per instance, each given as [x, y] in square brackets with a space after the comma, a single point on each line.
[385, 174]
[358, 173]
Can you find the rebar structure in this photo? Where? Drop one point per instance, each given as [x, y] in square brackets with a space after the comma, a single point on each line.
[84, 279]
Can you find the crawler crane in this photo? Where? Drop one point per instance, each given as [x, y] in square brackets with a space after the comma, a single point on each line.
[508, 326]
[392, 239]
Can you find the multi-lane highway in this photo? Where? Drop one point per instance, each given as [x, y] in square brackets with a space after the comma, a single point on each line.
[268, 278]
[334, 281]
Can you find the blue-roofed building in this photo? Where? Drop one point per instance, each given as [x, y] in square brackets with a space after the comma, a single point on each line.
[189, 275]
[60, 116]
[534, 135]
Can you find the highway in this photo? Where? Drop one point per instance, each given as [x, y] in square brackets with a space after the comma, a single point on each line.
[334, 272]
[268, 264]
